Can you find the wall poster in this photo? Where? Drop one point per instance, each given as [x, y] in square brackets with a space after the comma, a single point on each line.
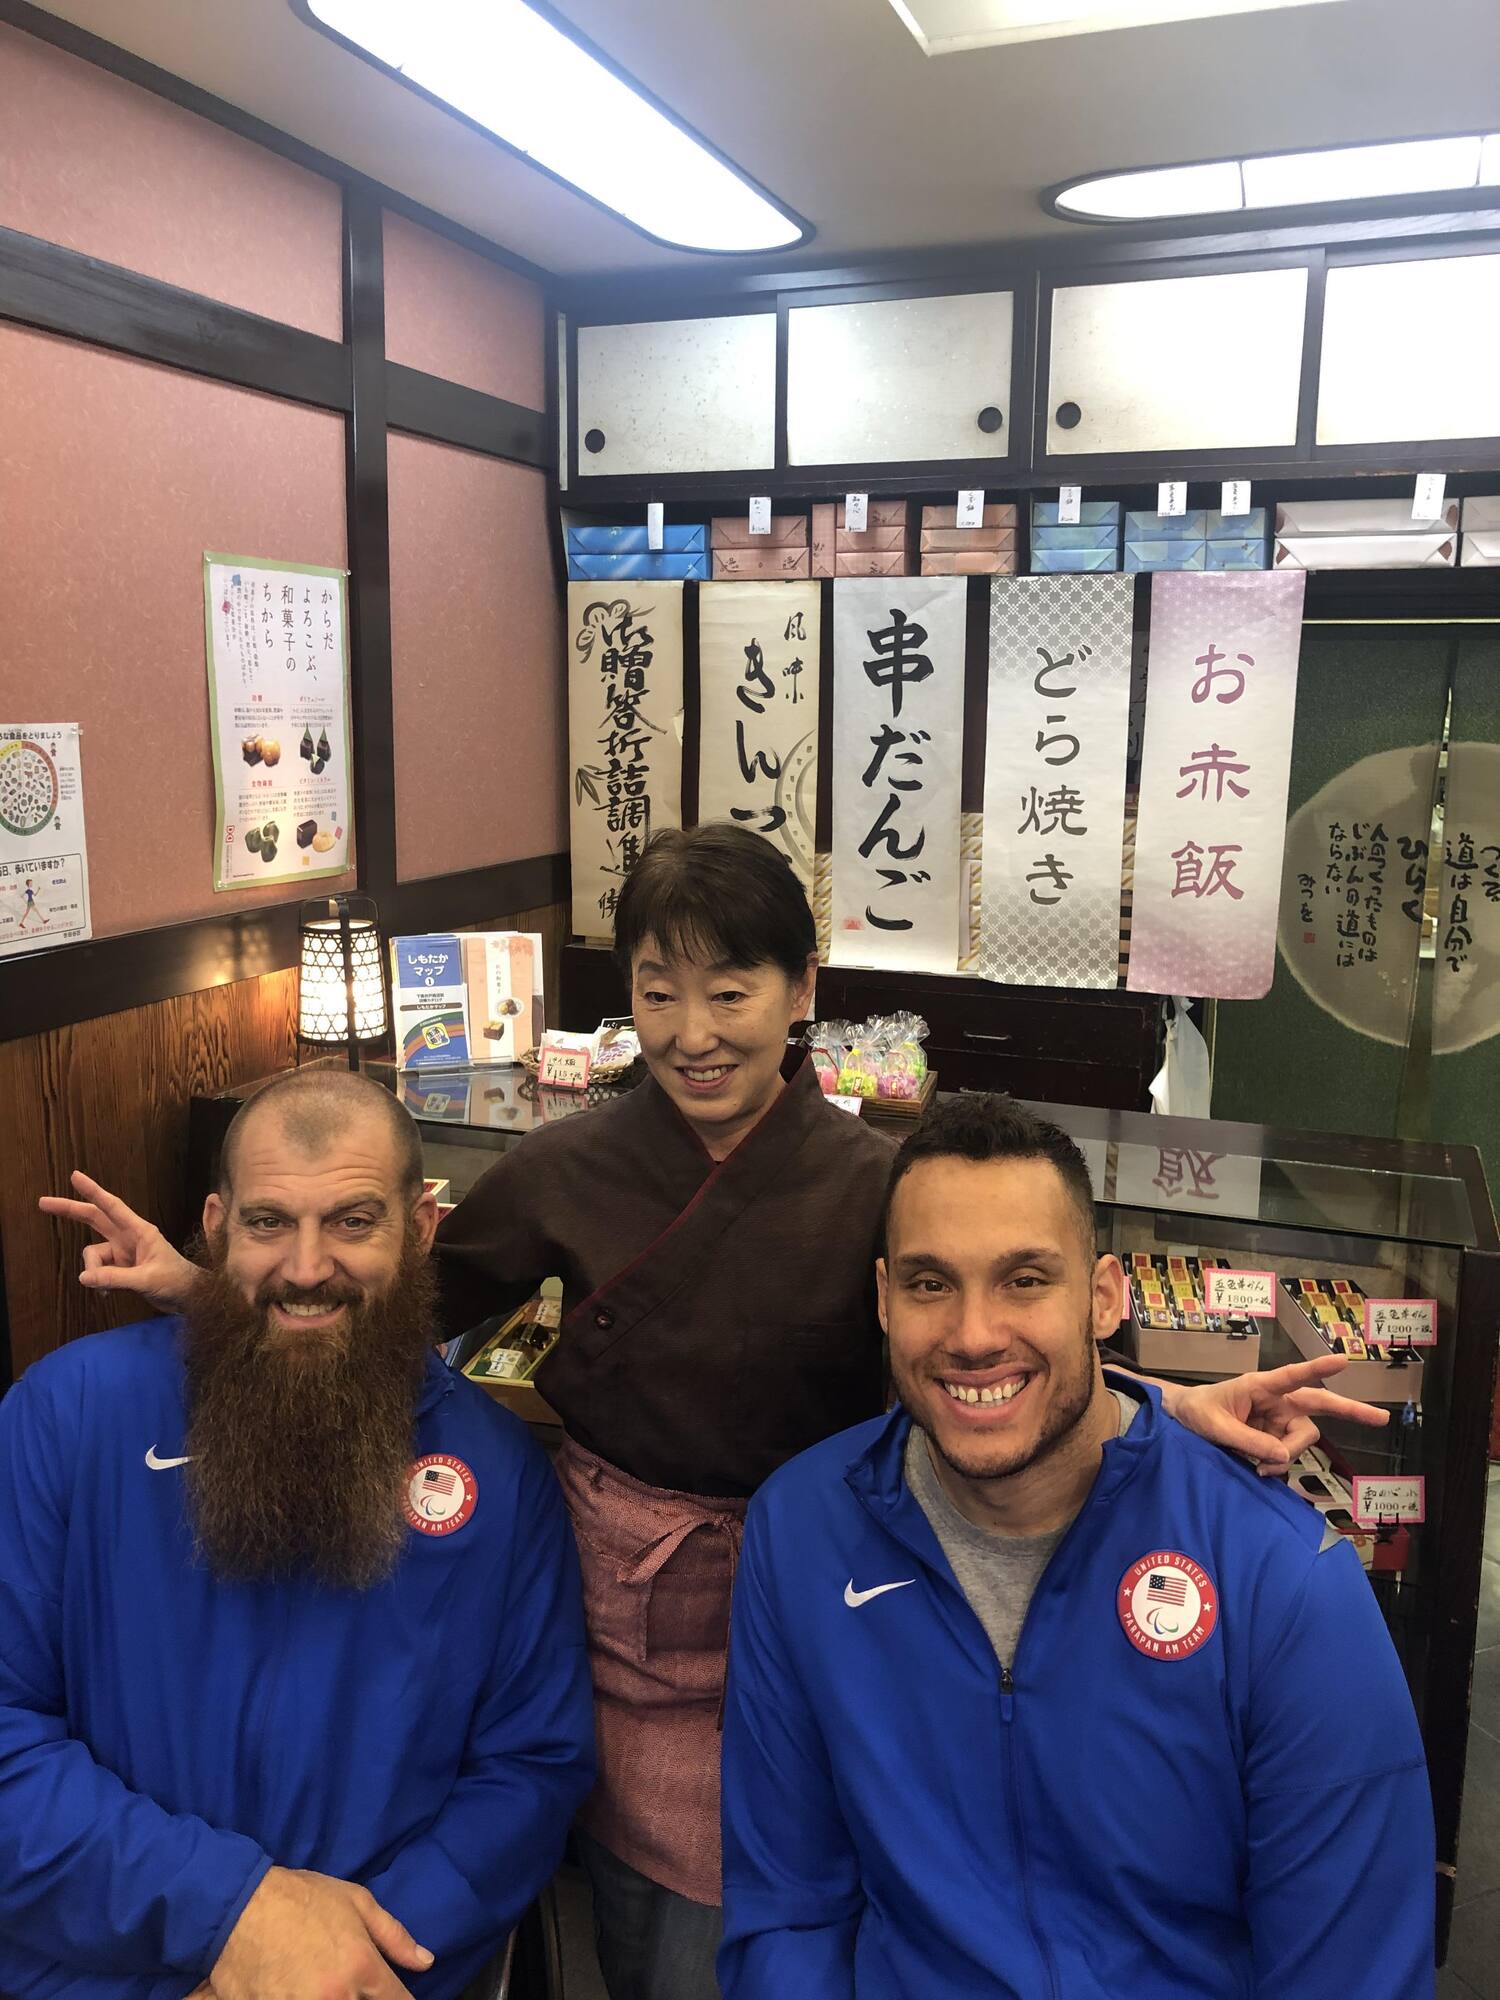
[44, 856]
[278, 698]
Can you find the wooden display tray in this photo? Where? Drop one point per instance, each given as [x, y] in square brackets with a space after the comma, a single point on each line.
[905, 1108]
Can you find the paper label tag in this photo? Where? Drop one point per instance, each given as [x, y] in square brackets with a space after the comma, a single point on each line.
[655, 513]
[1251, 1292]
[1069, 501]
[1401, 1322]
[1171, 497]
[564, 1065]
[1234, 498]
[1383, 1498]
[856, 513]
[970, 507]
[853, 1105]
[1427, 500]
[760, 514]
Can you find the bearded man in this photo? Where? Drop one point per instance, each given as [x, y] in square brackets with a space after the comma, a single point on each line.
[294, 1702]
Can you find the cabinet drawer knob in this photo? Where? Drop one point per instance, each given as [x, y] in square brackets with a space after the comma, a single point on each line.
[593, 440]
[990, 418]
[973, 1035]
[1069, 416]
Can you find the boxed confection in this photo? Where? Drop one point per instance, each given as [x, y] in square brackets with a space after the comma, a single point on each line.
[600, 553]
[822, 537]
[1170, 1329]
[872, 562]
[1326, 1316]
[1362, 517]
[1481, 542]
[1089, 544]
[659, 566]
[969, 562]
[732, 531]
[778, 563]
[1201, 540]
[941, 534]
[1425, 550]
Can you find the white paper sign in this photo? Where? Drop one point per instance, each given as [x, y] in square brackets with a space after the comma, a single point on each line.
[278, 699]
[856, 513]
[1054, 779]
[1234, 498]
[758, 647]
[853, 1105]
[1250, 1292]
[1069, 504]
[1381, 1499]
[44, 857]
[1427, 500]
[898, 661]
[760, 514]
[1401, 1322]
[563, 1068]
[970, 511]
[1171, 497]
[655, 516]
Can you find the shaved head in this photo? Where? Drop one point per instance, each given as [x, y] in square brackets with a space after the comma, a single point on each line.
[313, 1109]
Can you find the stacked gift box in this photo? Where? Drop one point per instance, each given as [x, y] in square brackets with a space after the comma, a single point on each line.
[1363, 534]
[1481, 544]
[1203, 539]
[1091, 543]
[777, 556]
[600, 553]
[823, 538]
[882, 548]
[986, 550]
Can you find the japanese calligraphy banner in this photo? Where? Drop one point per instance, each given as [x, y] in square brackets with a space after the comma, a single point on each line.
[1221, 692]
[624, 734]
[1054, 779]
[278, 696]
[898, 718]
[758, 707]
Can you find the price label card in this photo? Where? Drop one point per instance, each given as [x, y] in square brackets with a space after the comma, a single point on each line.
[1069, 501]
[856, 513]
[760, 514]
[970, 507]
[1384, 1498]
[655, 514]
[1171, 497]
[1401, 1322]
[1234, 498]
[1249, 1292]
[1427, 501]
[565, 1062]
[853, 1105]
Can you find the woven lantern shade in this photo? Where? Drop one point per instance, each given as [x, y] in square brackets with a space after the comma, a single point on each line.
[341, 991]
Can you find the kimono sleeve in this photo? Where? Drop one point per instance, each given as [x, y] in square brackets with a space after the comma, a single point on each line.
[493, 1251]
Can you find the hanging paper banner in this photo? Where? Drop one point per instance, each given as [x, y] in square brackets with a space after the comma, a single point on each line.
[1221, 691]
[1466, 973]
[898, 724]
[758, 704]
[1054, 779]
[624, 734]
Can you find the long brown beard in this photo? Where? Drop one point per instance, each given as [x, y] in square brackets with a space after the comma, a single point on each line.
[300, 1447]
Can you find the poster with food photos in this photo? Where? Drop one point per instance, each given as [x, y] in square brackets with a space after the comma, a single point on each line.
[278, 699]
[44, 858]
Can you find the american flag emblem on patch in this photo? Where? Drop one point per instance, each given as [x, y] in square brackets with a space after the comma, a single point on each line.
[435, 1480]
[1167, 1588]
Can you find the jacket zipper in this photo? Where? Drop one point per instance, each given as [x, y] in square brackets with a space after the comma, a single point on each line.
[1007, 1716]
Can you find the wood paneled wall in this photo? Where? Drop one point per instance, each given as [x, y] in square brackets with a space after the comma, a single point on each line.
[111, 1096]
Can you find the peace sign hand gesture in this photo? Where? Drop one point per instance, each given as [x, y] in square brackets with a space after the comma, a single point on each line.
[133, 1255]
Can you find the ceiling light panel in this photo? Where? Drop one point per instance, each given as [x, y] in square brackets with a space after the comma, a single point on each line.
[511, 69]
[949, 27]
[1359, 173]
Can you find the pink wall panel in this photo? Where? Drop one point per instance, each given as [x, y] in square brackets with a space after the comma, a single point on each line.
[454, 314]
[477, 641]
[102, 166]
[115, 476]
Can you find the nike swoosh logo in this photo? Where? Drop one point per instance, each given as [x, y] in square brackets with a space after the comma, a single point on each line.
[855, 1598]
[163, 1464]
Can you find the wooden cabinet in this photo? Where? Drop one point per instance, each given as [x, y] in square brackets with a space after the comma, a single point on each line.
[677, 396]
[893, 380]
[1210, 362]
[1411, 351]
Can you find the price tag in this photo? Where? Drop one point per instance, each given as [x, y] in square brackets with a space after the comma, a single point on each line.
[1386, 1497]
[565, 1062]
[655, 513]
[970, 507]
[1234, 498]
[760, 514]
[1069, 500]
[1171, 497]
[1427, 501]
[1250, 1292]
[856, 513]
[1401, 1322]
[853, 1105]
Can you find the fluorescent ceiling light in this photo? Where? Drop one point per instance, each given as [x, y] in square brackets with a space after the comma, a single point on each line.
[1287, 180]
[949, 27]
[512, 70]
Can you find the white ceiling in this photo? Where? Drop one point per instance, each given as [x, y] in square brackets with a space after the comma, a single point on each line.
[834, 107]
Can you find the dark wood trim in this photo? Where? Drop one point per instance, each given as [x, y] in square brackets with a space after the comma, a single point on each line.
[823, 805]
[76, 41]
[552, 395]
[1312, 357]
[429, 407]
[44, 285]
[79, 982]
[692, 704]
[976, 693]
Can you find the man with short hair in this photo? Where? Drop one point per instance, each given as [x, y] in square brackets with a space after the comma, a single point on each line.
[1034, 1695]
[293, 1691]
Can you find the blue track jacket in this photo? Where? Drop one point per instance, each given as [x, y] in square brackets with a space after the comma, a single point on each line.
[1239, 1810]
[165, 1737]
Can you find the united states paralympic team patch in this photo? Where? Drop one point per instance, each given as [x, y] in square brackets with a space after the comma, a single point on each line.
[1168, 1605]
[441, 1494]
